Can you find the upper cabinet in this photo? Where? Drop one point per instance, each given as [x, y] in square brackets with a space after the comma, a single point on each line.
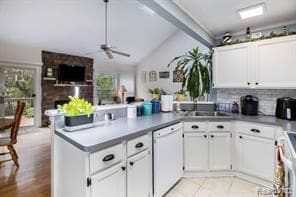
[232, 66]
[263, 64]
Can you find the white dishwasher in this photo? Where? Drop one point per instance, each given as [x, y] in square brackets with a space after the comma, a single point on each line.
[168, 158]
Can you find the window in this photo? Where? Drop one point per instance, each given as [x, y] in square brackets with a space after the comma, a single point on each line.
[106, 87]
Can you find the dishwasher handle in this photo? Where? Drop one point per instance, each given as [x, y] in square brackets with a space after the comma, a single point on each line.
[164, 134]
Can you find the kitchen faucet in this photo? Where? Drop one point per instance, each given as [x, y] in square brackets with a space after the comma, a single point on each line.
[195, 105]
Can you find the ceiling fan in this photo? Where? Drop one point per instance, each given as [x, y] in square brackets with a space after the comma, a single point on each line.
[108, 49]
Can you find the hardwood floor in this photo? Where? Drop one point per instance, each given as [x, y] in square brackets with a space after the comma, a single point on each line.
[32, 179]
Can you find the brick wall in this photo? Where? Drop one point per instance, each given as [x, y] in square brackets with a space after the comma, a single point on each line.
[267, 97]
[51, 93]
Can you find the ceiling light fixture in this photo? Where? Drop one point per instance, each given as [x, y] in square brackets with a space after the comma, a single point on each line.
[252, 11]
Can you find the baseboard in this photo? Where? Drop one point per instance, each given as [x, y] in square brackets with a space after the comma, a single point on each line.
[207, 173]
[254, 179]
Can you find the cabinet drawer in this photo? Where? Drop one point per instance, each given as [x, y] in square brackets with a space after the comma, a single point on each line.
[219, 126]
[105, 158]
[137, 145]
[194, 126]
[256, 130]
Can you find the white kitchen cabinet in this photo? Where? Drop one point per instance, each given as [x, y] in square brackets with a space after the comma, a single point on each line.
[275, 63]
[263, 64]
[139, 175]
[110, 182]
[220, 151]
[195, 151]
[256, 156]
[232, 66]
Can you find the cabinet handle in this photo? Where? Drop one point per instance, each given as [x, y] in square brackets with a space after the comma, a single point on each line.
[139, 145]
[248, 83]
[131, 163]
[255, 130]
[240, 137]
[172, 129]
[257, 83]
[220, 126]
[108, 158]
[194, 126]
[212, 136]
[123, 168]
[205, 136]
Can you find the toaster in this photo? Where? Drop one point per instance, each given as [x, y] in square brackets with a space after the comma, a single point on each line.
[286, 108]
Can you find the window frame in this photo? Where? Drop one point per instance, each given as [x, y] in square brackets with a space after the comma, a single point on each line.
[115, 84]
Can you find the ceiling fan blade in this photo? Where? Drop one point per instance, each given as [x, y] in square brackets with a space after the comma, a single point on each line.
[109, 54]
[121, 53]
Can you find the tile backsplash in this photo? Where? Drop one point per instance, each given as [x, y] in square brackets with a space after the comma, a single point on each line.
[267, 97]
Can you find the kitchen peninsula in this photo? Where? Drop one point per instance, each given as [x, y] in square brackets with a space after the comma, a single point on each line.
[98, 159]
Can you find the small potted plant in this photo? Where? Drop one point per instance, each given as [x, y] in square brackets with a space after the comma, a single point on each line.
[78, 112]
[181, 94]
[155, 93]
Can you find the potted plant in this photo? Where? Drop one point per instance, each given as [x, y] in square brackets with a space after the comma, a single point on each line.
[155, 93]
[181, 94]
[78, 112]
[196, 67]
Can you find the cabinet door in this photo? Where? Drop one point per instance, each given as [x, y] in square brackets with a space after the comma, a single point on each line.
[195, 151]
[256, 156]
[220, 151]
[231, 66]
[110, 182]
[139, 175]
[275, 63]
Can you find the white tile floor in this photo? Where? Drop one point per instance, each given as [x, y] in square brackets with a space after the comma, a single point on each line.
[214, 187]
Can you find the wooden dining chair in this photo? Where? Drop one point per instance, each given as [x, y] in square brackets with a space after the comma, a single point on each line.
[12, 139]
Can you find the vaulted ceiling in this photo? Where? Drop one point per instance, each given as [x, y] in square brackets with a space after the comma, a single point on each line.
[77, 27]
[219, 16]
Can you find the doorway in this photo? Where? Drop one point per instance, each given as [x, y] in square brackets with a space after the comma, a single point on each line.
[17, 84]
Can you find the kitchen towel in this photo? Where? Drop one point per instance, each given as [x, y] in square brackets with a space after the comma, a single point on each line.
[279, 175]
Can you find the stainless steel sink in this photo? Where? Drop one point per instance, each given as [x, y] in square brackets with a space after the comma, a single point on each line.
[207, 114]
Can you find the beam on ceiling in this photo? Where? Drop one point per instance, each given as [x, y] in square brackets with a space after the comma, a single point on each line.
[174, 14]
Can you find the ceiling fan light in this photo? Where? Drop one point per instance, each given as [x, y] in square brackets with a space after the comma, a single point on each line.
[252, 11]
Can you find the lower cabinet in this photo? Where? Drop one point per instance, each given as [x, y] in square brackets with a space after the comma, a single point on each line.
[195, 151]
[110, 182]
[256, 156]
[124, 170]
[208, 150]
[220, 151]
[139, 175]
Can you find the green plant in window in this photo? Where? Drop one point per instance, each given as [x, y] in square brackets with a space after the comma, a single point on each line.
[76, 107]
[29, 112]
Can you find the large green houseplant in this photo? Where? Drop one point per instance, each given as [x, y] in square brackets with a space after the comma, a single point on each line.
[196, 67]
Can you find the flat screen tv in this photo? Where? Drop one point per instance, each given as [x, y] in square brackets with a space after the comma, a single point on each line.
[71, 73]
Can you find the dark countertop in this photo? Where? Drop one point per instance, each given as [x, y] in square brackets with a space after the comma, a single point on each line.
[104, 135]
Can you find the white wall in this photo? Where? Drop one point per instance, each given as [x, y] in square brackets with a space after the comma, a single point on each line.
[19, 54]
[176, 45]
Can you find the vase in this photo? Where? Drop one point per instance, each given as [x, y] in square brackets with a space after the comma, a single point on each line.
[180, 97]
[155, 96]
